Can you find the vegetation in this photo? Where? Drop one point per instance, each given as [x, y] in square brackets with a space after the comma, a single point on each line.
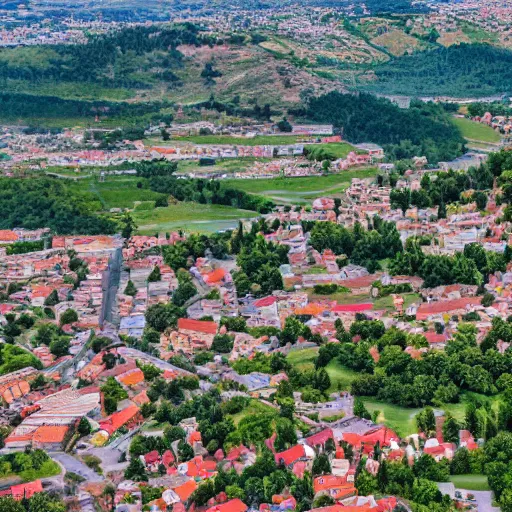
[465, 70]
[47, 203]
[423, 129]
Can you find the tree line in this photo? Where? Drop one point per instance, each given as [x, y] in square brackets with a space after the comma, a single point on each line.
[423, 129]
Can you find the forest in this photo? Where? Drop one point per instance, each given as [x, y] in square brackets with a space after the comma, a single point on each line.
[30, 106]
[38, 203]
[465, 70]
[423, 129]
[108, 59]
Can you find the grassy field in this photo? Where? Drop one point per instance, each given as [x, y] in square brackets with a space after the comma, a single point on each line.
[400, 419]
[259, 140]
[470, 482]
[476, 131]
[255, 407]
[204, 218]
[300, 190]
[341, 377]
[336, 151]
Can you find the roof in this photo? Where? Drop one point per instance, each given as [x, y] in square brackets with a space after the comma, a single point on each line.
[6, 235]
[205, 327]
[235, 505]
[291, 455]
[50, 434]
[319, 438]
[131, 377]
[118, 419]
[265, 301]
[445, 306]
[26, 490]
[185, 490]
[352, 308]
[215, 275]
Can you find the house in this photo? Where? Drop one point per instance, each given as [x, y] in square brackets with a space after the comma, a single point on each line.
[297, 453]
[129, 417]
[334, 486]
[193, 335]
[235, 505]
[447, 307]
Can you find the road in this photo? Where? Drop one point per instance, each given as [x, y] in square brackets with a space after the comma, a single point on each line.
[484, 501]
[75, 466]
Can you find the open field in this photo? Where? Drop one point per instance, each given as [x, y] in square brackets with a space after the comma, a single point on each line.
[205, 218]
[400, 419]
[470, 482]
[255, 407]
[300, 190]
[259, 140]
[341, 377]
[476, 131]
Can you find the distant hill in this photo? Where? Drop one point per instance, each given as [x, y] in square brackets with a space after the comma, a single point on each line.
[464, 70]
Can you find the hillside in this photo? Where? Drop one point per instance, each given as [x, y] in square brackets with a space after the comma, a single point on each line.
[424, 129]
[459, 71]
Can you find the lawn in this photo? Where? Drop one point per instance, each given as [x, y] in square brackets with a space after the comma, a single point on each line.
[341, 377]
[337, 150]
[472, 130]
[400, 419]
[259, 140]
[300, 190]
[115, 192]
[255, 407]
[470, 482]
[206, 218]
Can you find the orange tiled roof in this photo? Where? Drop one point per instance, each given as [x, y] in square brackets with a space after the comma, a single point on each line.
[6, 235]
[50, 434]
[185, 490]
[215, 275]
[131, 377]
[197, 325]
[118, 419]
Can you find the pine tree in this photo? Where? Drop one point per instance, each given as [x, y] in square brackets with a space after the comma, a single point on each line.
[155, 275]
[130, 289]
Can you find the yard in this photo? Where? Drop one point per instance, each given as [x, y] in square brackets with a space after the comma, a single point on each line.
[259, 140]
[255, 407]
[341, 377]
[205, 218]
[400, 419]
[470, 482]
[300, 190]
[474, 131]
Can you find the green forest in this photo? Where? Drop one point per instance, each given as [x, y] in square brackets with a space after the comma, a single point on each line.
[423, 129]
[35, 203]
[114, 59]
[459, 71]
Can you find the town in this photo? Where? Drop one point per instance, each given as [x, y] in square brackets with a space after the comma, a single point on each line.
[255, 256]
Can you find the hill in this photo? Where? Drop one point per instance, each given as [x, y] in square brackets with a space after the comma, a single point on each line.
[465, 70]
[424, 129]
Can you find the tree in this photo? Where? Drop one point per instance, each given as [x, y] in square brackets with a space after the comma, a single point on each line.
[471, 418]
[60, 346]
[43, 502]
[321, 380]
[441, 211]
[487, 300]
[84, 427]
[45, 333]
[360, 409]
[460, 464]
[52, 299]
[185, 451]
[155, 275]
[136, 471]
[130, 289]
[68, 317]
[426, 421]
[321, 465]
[451, 429]
[366, 483]
[174, 434]
[425, 492]
[8, 504]
[287, 408]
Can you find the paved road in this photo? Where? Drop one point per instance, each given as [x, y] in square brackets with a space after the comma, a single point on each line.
[76, 466]
[484, 501]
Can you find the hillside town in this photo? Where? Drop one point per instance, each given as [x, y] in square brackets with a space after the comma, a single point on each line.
[147, 368]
